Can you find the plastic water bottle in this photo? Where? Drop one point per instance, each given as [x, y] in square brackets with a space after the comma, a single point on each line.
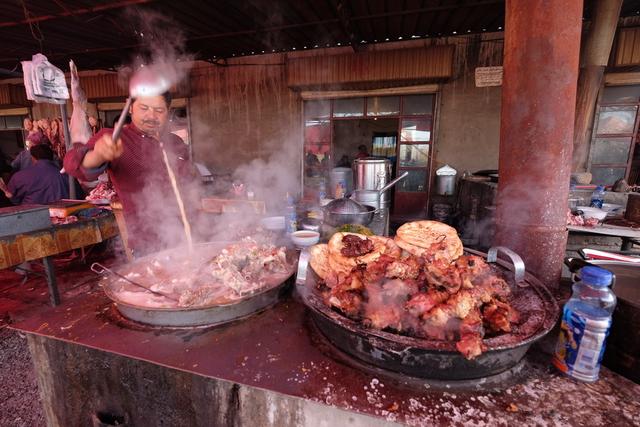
[322, 192]
[586, 320]
[597, 197]
[290, 216]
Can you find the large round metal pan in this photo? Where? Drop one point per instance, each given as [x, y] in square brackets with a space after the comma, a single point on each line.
[433, 358]
[209, 315]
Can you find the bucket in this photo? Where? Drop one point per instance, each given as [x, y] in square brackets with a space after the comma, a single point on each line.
[446, 180]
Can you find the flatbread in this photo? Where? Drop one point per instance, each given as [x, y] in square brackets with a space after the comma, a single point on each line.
[412, 249]
[319, 260]
[428, 235]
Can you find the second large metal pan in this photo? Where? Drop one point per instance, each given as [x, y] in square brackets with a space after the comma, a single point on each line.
[200, 316]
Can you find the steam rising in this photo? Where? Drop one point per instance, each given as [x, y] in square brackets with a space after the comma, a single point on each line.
[273, 172]
[162, 45]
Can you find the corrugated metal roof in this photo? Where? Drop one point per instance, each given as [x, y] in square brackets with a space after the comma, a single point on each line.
[103, 34]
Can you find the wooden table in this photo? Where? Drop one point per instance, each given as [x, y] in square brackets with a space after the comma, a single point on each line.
[42, 244]
[629, 235]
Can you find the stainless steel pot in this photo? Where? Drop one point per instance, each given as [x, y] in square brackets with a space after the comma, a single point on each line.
[372, 174]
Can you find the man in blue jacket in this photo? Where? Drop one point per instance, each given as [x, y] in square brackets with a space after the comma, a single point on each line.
[39, 184]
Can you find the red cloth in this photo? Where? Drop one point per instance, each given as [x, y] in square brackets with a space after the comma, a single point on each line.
[142, 182]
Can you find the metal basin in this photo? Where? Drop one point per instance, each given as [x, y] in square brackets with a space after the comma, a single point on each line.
[435, 359]
[336, 219]
[213, 314]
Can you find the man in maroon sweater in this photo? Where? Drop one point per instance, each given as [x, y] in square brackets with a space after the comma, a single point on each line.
[136, 167]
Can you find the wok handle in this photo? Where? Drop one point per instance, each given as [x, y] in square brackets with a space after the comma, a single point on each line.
[98, 268]
[303, 263]
[516, 260]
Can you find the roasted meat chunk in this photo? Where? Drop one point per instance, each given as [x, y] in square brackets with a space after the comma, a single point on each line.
[354, 246]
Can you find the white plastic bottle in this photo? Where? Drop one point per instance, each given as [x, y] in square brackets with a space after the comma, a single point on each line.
[586, 321]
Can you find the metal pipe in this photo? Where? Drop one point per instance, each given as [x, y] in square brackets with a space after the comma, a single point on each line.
[541, 54]
[67, 144]
[123, 116]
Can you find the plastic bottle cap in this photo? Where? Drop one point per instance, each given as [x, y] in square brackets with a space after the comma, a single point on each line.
[596, 276]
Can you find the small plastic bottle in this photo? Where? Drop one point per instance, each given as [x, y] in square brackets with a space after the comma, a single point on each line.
[322, 192]
[597, 197]
[290, 216]
[586, 321]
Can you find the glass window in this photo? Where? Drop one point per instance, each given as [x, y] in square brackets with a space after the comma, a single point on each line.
[317, 109]
[417, 104]
[414, 182]
[14, 122]
[384, 146]
[317, 131]
[606, 176]
[416, 130]
[348, 107]
[416, 155]
[383, 105]
[621, 94]
[616, 120]
[611, 150]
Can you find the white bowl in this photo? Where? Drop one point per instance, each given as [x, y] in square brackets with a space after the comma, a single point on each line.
[304, 238]
[273, 223]
[589, 212]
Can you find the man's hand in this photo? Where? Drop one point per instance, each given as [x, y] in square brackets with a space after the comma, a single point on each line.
[104, 151]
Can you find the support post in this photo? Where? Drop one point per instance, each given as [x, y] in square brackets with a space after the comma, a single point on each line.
[542, 47]
[595, 56]
[68, 144]
[50, 273]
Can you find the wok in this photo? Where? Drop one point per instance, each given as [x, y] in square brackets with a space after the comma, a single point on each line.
[436, 359]
[212, 314]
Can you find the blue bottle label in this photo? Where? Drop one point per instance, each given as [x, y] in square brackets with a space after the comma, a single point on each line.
[581, 345]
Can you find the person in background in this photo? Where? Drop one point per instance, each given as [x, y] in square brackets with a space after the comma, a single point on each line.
[137, 170]
[362, 152]
[344, 162]
[94, 124]
[27, 127]
[45, 126]
[23, 159]
[40, 184]
[57, 139]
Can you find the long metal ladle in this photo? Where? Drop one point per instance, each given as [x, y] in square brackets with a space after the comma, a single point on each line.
[100, 269]
[147, 81]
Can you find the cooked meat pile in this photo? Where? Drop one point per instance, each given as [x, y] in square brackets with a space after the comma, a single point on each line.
[425, 296]
[236, 271]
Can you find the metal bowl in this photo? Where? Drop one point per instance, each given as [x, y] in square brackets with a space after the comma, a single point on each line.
[336, 219]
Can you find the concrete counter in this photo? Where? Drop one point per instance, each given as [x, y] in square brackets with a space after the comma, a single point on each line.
[275, 369]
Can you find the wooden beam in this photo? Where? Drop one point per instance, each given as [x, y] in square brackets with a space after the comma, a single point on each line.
[402, 90]
[594, 58]
[81, 11]
[620, 79]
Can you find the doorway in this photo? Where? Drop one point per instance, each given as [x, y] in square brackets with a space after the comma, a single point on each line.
[396, 127]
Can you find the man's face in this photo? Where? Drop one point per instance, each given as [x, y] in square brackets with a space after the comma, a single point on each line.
[150, 114]
[28, 124]
[93, 121]
[44, 124]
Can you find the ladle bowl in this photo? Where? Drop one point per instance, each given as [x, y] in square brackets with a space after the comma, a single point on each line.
[147, 81]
